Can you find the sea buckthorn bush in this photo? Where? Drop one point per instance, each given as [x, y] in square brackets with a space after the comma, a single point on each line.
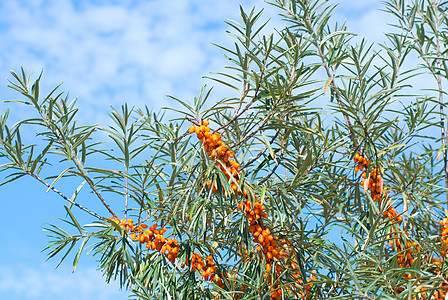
[322, 173]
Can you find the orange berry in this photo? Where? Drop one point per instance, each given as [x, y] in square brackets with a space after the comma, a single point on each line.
[268, 268]
[192, 129]
[221, 151]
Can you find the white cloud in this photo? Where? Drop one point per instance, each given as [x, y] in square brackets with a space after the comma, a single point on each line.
[111, 54]
[43, 283]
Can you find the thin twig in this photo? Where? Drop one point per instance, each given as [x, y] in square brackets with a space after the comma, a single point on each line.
[63, 196]
[266, 119]
[90, 182]
[262, 152]
[271, 173]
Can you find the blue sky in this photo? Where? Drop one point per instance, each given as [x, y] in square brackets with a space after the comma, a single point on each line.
[108, 53]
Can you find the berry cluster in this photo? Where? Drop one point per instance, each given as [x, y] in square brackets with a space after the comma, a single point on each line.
[443, 291]
[297, 275]
[375, 184]
[217, 150]
[268, 244]
[444, 241]
[443, 287]
[405, 259]
[152, 237]
[361, 162]
[206, 266]
[155, 240]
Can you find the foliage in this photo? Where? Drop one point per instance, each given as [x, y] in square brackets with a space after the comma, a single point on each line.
[303, 102]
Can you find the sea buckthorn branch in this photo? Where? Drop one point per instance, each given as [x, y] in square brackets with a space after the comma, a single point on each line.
[15, 163]
[63, 113]
[254, 132]
[74, 157]
[373, 182]
[401, 243]
[268, 245]
[151, 238]
[50, 187]
[277, 164]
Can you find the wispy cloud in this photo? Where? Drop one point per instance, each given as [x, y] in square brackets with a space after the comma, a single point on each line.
[364, 18]
[42, 283]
